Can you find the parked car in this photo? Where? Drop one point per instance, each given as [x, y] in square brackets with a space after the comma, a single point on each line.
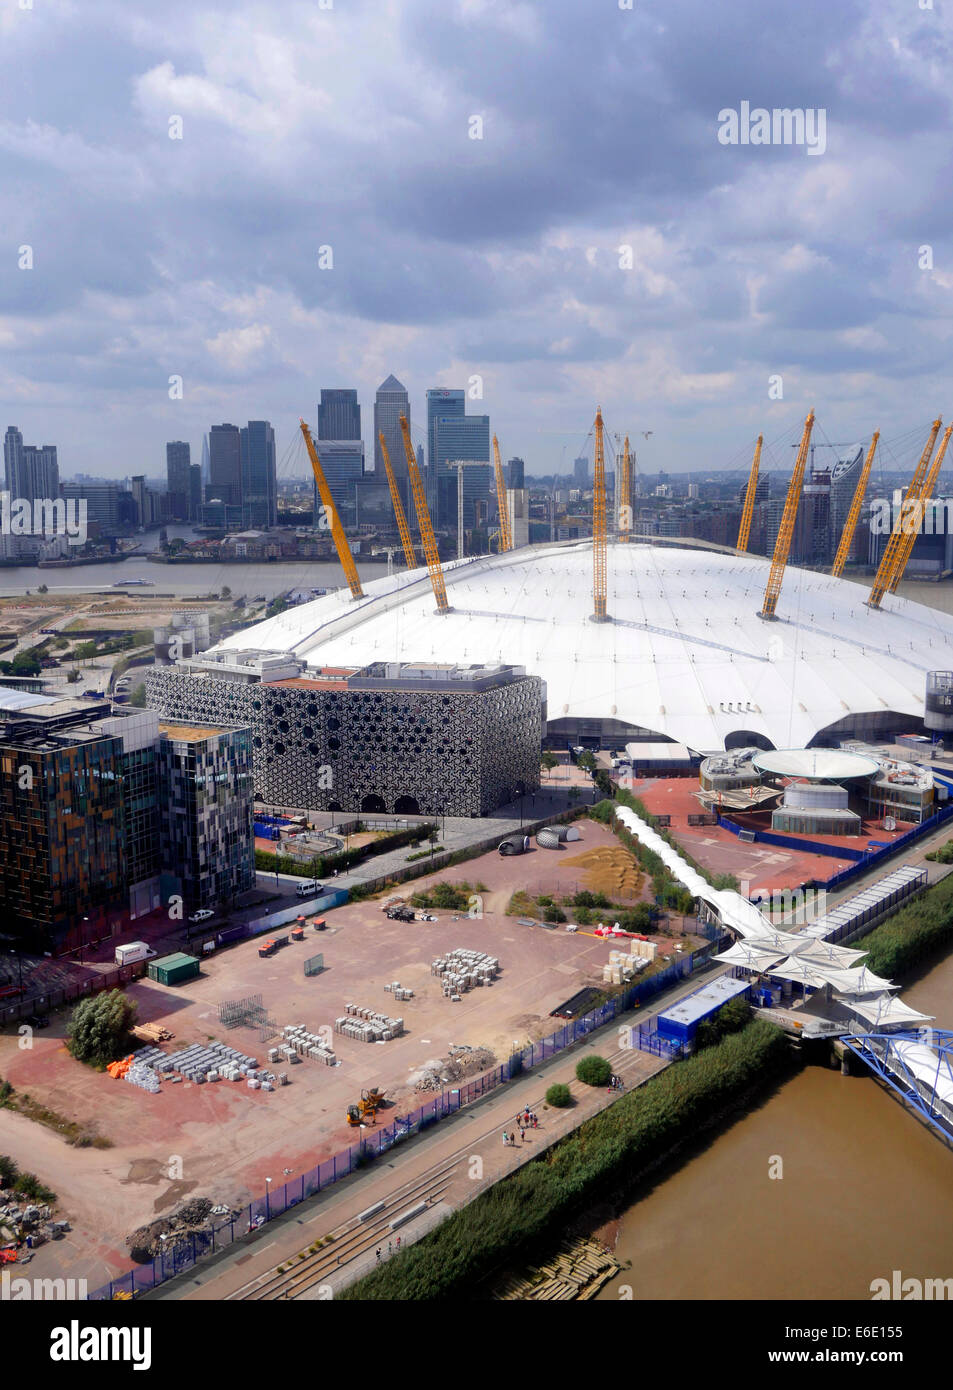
[38, 1020]
[203, 914]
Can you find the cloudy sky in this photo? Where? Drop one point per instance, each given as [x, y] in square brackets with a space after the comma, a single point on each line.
[348, 124]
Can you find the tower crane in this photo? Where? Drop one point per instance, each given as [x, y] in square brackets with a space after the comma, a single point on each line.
[782, 546]
[599, 614]
[409, 557]
[850, 525]
[625, 494]
[744, 530]
[894, 548]
[427, 538]
[913, 526]
[337, 530]
[506, 537]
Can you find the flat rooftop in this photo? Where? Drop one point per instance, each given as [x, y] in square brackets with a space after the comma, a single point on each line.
[191, 733]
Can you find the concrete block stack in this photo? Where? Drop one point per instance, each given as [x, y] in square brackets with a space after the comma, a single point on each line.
[300, 1043]
[398, 991]
[622, 966]
[461, 970]
[141, 1074]
[367, 1025]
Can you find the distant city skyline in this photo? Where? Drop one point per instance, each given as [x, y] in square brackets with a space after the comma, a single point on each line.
[602, 249]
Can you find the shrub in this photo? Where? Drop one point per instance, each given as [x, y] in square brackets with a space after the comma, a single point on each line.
[593, 1071]
[730, 1018]
[99, 1030]
[8, 1170]
[558, 1095]
[554, 914]
[29, 1185]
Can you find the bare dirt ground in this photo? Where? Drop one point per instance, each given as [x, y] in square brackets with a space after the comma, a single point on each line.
[224, 1139]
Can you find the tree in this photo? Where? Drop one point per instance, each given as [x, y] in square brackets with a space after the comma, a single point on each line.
[593, 1071]
[99, 1030]
[72, 677]
[587, 761]
[548, 761]
[226, 591]
[86, 651]
[559, 1095]
[138, 697]
[42, 589]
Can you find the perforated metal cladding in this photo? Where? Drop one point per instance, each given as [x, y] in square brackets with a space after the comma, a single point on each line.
[460, 753]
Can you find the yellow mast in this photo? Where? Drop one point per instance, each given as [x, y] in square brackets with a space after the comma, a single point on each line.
[409, 557]
[506, 540]
[599, 527]
[624, 501]
[910, 534]
[744, 530]
[850, 525]
[423, 521]
[782, 546]
[337, 530]
[895, 541]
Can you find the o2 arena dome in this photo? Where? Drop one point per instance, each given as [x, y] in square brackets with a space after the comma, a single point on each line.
[684, 655]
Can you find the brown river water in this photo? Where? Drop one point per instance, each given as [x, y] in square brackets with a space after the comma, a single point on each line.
[865, 1189]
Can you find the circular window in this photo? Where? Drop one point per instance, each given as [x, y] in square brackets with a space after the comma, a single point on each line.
[257, 742]
[283, 725]
[256, 704]
[334, 744]
[308, 731]
[314, 750]
[279, 710]
[279, 750]
[334, 723]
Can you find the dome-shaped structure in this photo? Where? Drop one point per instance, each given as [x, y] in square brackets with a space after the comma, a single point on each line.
[685, 654]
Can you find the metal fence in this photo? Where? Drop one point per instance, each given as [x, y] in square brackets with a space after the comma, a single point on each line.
[187, 1252]
[65, 994]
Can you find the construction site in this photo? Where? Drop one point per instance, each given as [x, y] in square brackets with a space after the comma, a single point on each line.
[242, 1087]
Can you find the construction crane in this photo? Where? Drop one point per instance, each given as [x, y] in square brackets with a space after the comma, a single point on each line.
[782, 546]
[624, 504]
[599, 614]
[409, 556]
[909, 532]
[744, 530]
[506, 538]
[850, 525]
[337, 530]
[427, 539]
[894, 548]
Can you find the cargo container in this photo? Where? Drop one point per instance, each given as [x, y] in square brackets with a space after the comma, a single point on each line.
[174, 969]
[133, 951]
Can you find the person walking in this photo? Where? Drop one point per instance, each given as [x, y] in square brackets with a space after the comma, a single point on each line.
[535, 1120]
[398, 1242]
[390, 1250]
[506, 1138]
[378, 1253]
[522, 1135]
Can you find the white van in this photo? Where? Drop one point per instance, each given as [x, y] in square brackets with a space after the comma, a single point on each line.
[308, 888]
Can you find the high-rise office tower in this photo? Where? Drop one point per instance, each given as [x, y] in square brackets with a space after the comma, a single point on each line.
[225, 464]
[442, 403]
[178, 461]
[390, 403]
[517, 470]
[342, 462]
[195, 492]
[259, 479]
[580, 473]
[460, 437]
[339, 415]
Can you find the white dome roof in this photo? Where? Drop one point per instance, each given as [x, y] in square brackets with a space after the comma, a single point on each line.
[685, 654]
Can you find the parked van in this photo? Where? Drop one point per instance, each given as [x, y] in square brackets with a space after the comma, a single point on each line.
[308, 888]
[133, 951]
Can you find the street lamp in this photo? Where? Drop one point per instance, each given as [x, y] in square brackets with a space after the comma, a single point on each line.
[268, 1199]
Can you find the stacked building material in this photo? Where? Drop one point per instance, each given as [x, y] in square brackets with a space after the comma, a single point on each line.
[398, 990]
[367, 1025]
[300, 1043]
[141, 1074]
[461, 970]
[622, 966]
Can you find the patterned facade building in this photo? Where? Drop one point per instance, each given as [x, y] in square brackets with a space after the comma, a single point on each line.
[397, 738]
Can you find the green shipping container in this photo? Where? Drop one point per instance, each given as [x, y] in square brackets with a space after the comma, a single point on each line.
[174, 969]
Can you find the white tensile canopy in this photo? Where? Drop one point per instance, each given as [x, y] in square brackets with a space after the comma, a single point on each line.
[886, 1009]
[751, 955]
